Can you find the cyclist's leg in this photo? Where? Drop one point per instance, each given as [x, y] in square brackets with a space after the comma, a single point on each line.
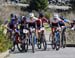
[52, 29]
[37, 33]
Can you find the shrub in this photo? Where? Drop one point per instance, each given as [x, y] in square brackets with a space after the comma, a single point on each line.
[5, 43]
[47, 15]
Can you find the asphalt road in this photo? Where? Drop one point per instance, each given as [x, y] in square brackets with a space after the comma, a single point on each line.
[49, 53]
[68, 52]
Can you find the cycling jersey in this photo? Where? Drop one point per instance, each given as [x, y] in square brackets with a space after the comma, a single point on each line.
[54, 22]
[40, 22]
[31, 23]
[61, 23]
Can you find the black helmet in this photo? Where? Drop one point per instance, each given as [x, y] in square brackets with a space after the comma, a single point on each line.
[11, 15]
[23, 18]
[41, 15]
[74, 20]
[61, 17]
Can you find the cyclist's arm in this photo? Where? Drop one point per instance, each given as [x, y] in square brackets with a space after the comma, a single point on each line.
[45, 20]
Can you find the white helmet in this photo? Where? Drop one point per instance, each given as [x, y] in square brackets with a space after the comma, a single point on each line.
[56, 15]
[23, 17]
[31, 15]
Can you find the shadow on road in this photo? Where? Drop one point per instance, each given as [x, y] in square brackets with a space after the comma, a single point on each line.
[30, 51]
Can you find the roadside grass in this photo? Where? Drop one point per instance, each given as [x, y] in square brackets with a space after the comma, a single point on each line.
[70, 34]
[48, 29]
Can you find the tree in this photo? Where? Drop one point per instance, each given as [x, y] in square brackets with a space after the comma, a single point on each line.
[38, 4]
[72, 2]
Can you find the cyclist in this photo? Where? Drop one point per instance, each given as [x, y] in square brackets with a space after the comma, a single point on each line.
[23, 24]
[31, 21]
[59, 22]
[13, 24]
[56, 23]
[40, 31]
[11, 21]
[63, 26]
[40, 23]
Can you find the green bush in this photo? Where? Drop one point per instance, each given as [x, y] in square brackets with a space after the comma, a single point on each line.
[5, 43]
[47, 15]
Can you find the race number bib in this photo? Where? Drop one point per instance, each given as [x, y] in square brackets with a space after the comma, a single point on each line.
[25, 31]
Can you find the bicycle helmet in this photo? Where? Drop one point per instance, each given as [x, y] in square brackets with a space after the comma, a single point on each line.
[55, 15]
[11, 15]
[41, 15]
[31, 14]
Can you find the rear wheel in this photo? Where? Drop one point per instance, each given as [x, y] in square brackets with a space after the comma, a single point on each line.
[53, 44]
[44, 42]
[64, 41]
[39, 41]
[39, 44]
[57, 47]
[32, 42]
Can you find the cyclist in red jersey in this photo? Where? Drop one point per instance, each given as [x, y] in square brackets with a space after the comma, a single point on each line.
[40, 23]
[54, 22]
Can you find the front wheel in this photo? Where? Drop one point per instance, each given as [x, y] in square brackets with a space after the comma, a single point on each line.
[26, 45]
[57, 46]
[57, 40]
[13, 47]
[32, 42]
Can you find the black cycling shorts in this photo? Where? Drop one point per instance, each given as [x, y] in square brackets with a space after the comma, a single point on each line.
[31, 25]
[61, 23]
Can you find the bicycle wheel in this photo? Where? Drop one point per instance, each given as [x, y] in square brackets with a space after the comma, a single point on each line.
[26, 44]
[53, 43]
[13, 43]
[13, 47]
[39, 44]
[57, 40]
[39, 41]
[32, 42]
[64, 41]
[44, 42]
[20, 47]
